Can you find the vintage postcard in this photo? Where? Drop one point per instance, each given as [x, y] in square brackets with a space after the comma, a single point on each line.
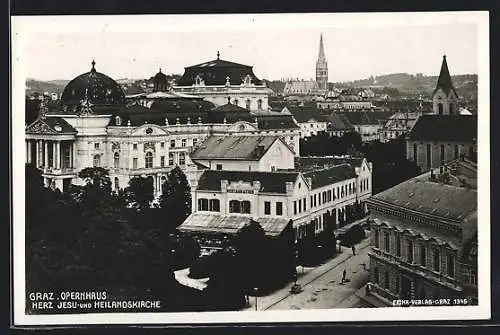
[192, 169]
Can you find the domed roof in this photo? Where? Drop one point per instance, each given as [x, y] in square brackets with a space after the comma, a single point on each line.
[97, 88]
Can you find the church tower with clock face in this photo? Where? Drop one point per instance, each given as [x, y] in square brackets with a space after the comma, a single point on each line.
[322, 67]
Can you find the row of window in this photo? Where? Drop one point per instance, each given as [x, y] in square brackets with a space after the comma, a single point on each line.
[247, 103]
[299, 206]
[267, 208]
[148, 160]
[363, 185]
[212, 205]
[97, 145]
[456, 152]
[436, 254]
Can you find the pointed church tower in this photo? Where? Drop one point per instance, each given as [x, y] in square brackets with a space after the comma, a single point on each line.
[445, 98]
[322, 67]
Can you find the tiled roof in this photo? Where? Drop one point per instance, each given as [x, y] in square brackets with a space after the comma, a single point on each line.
[220, 224]
[276, 122]
[444, 128]
[270, 182]
[364, 118]
[234, 147]
[338, 122]
[330, 175]
[304, 114]
[421, 195]
[312, 162]
[231, 113]
[215, 72]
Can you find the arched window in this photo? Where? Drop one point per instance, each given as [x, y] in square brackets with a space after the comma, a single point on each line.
[236, 102]
[386, 279]
[247, 103]
[117, 184]
[452, 109]
[118, 121]
[259, 104]
[97, 161]
[182, 158]
[116, 160]
[440, 108]
[148, 160]
[170, 159]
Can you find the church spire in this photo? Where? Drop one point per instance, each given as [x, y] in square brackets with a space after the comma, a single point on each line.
[321, 49]
[444, 80]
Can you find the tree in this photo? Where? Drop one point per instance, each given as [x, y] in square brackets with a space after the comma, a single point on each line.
[176, 197]
[97, 187]
[141, 191]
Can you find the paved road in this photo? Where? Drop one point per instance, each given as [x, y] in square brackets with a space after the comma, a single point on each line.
[321, 285]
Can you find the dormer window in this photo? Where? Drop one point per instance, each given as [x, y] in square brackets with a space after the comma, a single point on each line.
[247, 80]
[118, 121]
[199, 81]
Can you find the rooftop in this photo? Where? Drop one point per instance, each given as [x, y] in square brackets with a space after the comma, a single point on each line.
[231, 225]
[330, 175]
[424, 196]
[460, 128]
[234, 147]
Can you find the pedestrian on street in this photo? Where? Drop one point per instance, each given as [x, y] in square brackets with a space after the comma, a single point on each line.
[353, 249]
[343, 276]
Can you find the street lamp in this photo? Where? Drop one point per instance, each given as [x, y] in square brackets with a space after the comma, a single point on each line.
[256, 290]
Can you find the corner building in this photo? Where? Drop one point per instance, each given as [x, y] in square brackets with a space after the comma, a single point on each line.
[424, 237]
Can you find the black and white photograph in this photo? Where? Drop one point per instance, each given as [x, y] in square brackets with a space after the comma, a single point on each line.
[193, 169]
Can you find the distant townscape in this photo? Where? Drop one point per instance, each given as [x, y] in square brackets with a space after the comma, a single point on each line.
[218, 190]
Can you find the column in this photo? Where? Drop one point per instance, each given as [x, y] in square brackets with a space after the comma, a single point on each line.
[54, 155]
[28, 151]
[46, 154]
[72, 155]
[58, 154]
[37, 158]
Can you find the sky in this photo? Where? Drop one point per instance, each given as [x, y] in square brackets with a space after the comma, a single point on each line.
[354, 49]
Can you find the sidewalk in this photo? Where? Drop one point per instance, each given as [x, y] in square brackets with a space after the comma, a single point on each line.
[305, 276]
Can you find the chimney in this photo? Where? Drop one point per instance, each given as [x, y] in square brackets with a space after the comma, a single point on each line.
[223, 185]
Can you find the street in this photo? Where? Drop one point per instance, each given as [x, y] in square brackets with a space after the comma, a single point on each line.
[321, 286]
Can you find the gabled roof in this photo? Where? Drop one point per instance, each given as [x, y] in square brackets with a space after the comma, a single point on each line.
[367, 118]
[50, 125]
[459, 128]
[234, 147]
[424, 196]
[444, 80]
[330, 175]
[338, 122]
[306, 113]
[270, 182]
[276, 122]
